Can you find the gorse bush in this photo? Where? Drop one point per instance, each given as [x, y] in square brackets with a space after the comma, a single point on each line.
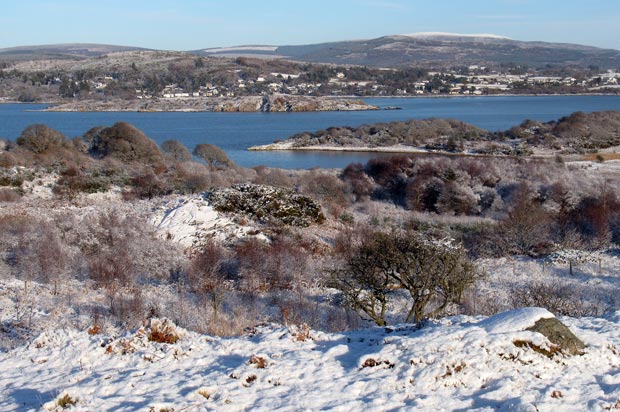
[39, 138]
[124, 142]
[268, 204]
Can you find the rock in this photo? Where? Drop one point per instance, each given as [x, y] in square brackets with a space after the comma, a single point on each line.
[559, 335]
[554, 337]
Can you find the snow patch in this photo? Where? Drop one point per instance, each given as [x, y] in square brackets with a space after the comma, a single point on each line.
[241, 48]
[516, 320]
[450, 364]
[430, 34]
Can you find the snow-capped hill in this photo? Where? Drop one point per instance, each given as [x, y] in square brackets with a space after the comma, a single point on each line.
[457, 363]
[245, 49]
[438, 34]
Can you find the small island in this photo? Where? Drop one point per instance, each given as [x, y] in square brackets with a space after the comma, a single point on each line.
[578, 133]
[266, 103]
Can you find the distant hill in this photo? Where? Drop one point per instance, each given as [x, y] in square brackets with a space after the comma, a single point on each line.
[418, 49]
[61, 51]
[435, 49]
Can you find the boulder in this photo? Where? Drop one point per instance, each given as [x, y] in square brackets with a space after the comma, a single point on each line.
[559, 334]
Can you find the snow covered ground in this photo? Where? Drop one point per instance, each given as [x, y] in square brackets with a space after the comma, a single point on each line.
[455, 364]
[190, 219]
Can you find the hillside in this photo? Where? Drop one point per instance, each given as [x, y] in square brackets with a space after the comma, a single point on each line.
[437, 50]
[106, 77]
[61, 51]
[455, 364]
[263, 275]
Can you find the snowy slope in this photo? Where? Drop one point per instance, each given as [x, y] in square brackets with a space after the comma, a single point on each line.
[191, 219]
[455, 364]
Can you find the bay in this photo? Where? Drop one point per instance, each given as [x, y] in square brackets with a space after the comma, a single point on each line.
[235, 132]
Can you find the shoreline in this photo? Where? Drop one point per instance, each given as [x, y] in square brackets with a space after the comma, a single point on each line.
[439, 96]
[288, 147]
[251, 104]
[189, 109]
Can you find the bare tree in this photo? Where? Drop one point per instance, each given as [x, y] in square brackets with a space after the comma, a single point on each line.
[433, 275]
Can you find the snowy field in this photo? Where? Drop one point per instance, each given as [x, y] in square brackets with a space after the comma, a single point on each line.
[455, 364]
[458, 363]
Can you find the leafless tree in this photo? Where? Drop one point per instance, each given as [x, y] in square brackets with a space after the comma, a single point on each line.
[432, 274]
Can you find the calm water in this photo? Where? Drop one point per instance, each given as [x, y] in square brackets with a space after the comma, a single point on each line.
[235, 132]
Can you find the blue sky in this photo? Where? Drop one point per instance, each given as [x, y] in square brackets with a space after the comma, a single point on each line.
[194, 24]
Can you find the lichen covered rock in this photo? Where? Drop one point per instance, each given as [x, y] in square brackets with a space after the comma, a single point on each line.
[558, 334]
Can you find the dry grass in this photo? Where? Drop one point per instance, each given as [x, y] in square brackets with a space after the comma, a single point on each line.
[300, 333]
[258, 361]
[66, 401]
[550, 353]
[163, 331]
[597, 157]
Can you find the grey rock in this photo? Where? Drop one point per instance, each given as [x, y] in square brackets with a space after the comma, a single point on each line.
[559, 334]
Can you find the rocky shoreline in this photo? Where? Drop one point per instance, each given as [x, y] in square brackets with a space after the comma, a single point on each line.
[273, 103]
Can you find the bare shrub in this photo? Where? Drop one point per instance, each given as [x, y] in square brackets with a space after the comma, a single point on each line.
[163, 331]
[8, 160]
[273, 177]
[176, 151]
[215, 157]
[528, 223]
[111, 267]
[207, 277]
[39, 138]
[279, 265]
[127, 304]
[433, 274]
[149, 186]
[286, 262]
[324, 186]
[74, 180]
[457, 198]
[359, 185]
[250, 260]
[556, 296]
[422, 193]
[9, 195]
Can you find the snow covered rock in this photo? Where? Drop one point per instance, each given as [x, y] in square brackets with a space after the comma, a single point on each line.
[518, 322]
[554, 330]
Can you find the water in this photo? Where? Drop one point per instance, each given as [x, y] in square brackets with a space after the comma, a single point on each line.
[235, 132]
